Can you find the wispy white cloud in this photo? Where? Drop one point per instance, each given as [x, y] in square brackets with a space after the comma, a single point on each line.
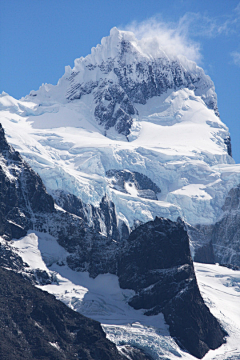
[185, 36]
[200, 25]
[236, 57]
[173, 38]
[237, 9]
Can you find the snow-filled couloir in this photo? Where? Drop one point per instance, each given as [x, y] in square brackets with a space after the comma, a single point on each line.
[128, 108]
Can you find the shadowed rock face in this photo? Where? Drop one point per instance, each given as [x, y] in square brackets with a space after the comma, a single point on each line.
[102, 219]
[157, 264]
[20, 189]
[205, 254]
[220, 242]
[226, 232]
[34, 325]
[154, 261]
[201, 241]
[229, 145]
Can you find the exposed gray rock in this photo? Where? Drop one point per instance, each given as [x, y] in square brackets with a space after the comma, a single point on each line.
[201, 241]
[220, 242]
[227, 141]
[146, 188]
[22, 193]
[103, 219]
[205, 254]
[114, 109]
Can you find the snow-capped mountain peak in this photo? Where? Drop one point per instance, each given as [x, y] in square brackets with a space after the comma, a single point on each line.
[125, 108]
[135, 70]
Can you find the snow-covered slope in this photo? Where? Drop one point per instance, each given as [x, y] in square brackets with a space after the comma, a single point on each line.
[127, 108]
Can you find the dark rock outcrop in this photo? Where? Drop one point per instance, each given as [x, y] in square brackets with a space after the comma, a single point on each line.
[205, 254]
[34, 325]
[201, 240]
[11, 260]
[146, 188]
[227, 142]
[114, 108]
[157, 264]
[103, 219]
[220, 242]
[226, 233]
[22, 193]
[232, 267]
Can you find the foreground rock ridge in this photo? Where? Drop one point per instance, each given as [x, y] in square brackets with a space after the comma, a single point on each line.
[34, 325]
[157, 264]
[154, 261]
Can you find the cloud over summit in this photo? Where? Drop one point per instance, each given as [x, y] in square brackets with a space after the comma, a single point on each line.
[172, 38]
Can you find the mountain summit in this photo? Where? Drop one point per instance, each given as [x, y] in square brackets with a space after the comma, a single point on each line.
[124, 71]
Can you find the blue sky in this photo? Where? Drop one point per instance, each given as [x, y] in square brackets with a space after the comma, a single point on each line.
[38, 38]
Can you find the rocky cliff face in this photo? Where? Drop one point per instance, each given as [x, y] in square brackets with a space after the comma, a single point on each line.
[127, 181]
[22, 193]
[226, 232]
[103, 218]
[220, 242]
[201, 243]
[157, 264]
